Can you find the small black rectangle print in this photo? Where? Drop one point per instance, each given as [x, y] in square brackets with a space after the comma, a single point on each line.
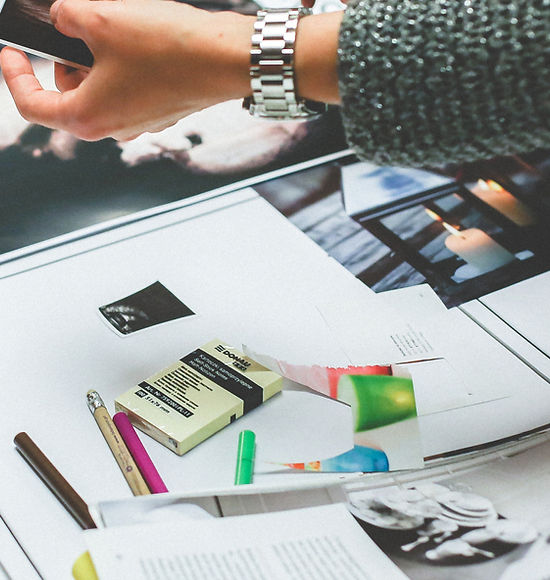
[147, 307]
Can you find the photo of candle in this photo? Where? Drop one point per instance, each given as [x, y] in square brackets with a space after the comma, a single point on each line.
[498, 198]
[478, 249]
[475, 247]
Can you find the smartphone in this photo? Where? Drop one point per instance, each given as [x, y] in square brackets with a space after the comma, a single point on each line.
[26, 24]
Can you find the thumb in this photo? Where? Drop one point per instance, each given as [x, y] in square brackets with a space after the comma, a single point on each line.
[74, 18]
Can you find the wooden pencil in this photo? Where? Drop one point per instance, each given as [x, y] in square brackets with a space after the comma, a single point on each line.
[116, 444]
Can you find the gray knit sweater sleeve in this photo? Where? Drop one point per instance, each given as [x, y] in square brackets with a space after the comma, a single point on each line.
[433, 81]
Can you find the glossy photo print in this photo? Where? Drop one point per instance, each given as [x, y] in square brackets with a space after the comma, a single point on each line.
[466, 231]
[75, 187]
[147, 307]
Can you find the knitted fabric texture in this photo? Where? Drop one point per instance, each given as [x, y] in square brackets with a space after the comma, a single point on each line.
[445, 80]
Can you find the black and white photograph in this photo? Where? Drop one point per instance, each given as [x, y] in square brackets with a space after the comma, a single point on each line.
[490, 522]
[147, 307]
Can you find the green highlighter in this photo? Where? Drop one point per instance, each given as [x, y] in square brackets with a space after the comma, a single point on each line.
[245, 457]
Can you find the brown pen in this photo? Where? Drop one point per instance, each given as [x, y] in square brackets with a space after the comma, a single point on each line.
[116, 444]
[57, 484]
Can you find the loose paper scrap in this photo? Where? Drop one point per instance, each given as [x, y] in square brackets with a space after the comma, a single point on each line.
[323, 379]
[147, 307]
[386, 431]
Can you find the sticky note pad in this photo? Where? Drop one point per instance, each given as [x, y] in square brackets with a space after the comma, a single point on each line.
[198, 395]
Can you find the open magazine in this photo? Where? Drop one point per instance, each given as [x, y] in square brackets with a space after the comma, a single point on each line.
[482, 516]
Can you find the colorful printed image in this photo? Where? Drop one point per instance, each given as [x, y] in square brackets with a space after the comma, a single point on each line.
[386, 435]
[466, 231]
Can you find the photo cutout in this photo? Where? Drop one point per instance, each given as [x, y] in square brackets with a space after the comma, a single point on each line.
[147, 307]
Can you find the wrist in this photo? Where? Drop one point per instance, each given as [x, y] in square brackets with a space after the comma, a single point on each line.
[316, 57]
[232, 33]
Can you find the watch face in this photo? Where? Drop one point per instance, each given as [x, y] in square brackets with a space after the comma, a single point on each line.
[315, 108]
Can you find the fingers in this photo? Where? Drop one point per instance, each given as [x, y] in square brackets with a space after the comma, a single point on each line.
[33, 102]
[18, 74]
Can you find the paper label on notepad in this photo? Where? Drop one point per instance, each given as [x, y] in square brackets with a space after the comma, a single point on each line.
[206, 365]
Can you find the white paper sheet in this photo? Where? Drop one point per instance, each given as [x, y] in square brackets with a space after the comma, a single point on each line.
[454, 378]
[371, 330]
[224, 263]
[14, 564]
[235, 501]
[320, 542]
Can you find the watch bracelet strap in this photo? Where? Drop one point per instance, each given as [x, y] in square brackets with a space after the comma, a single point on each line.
[272, 68]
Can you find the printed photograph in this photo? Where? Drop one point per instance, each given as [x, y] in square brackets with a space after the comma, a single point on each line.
[466, 231]
[152, 305]
[72, 184]
[488, 523]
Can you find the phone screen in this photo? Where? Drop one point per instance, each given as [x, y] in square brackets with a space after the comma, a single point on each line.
[26, 24]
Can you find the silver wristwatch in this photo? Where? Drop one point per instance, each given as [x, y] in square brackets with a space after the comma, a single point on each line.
[272, 68]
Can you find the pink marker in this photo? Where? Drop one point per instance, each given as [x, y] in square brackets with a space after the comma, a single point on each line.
[141, 457]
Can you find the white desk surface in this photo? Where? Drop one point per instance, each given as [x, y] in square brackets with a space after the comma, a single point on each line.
[14, 563]
[252, 278]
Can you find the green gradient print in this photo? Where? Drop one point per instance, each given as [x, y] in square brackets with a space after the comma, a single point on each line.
[378, 402]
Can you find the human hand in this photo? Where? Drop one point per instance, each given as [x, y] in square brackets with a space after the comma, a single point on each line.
[154, 63]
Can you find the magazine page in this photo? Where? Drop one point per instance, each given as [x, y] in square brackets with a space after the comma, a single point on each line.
[319, 542]
[486, 523]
